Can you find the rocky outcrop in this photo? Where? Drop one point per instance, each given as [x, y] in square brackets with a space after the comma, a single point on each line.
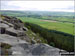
[12, 31]
[40, 49]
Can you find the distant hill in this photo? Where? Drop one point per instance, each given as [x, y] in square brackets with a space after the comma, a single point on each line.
[38, 13]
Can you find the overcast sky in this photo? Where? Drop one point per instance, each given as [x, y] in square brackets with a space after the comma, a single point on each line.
[67, 6]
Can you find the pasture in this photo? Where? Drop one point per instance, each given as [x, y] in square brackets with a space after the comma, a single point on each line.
[59, 26]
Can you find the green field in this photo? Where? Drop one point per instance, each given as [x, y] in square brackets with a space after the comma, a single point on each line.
[59, 26]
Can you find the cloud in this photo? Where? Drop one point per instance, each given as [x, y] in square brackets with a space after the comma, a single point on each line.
[38, 5]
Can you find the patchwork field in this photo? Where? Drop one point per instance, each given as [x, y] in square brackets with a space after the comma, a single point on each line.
[54, 25]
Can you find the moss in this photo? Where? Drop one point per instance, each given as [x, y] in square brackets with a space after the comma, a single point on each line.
[52, 44]
[5, 46]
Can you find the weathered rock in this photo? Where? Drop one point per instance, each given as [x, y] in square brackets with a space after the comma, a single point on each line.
[4, 52]
[2, 30]
[4, 25]
[7, 17]
[40, 50]
[33, 41]
[44, 49]
[12, 40]
[16, 26]
[20, 21]
[6, 20]
[9, 24]
[25, 46]
[1, 20]
[20, 34]
[25, 29]
[11, 32]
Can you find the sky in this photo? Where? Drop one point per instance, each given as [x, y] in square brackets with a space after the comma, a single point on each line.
[65, 6]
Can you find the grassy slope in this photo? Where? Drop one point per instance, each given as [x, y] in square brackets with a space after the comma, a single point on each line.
[59, 26]
[36, 37]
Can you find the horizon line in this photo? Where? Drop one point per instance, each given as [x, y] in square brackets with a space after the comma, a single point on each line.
[37, 10]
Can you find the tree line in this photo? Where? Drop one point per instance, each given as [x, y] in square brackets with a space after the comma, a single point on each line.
[54, 38]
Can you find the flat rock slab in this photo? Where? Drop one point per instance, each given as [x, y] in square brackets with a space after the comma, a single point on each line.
[40, 50]
[10, 39]
[19, 51]
[13, 32]
[4, 25]
[22, 48]
[1, 19]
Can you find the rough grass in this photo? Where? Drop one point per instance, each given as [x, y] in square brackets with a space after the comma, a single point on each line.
[36, 37]
[5, 45]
